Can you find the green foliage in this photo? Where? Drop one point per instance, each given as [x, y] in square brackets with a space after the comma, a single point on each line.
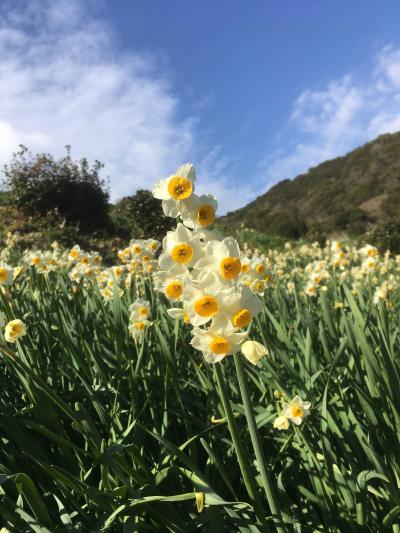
[390, 205]
[385, 236]
[253, 238]
[100, 433]
[316, 233]
[141, 216]
[40, 184]
[289, 225]
[351, 220]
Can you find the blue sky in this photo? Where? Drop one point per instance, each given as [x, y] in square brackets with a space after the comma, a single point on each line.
[251, 92]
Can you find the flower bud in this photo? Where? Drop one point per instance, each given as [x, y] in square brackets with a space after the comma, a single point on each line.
[253, 351]
[281, 422]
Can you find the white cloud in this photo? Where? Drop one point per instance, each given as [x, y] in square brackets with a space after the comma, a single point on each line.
[62, 82]
[347, 113]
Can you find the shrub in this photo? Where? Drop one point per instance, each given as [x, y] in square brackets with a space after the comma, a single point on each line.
[40, 184]
[316, 233]
[141, 216]
[289, 225]
[385, 236]
[350, 219]
[252, 238]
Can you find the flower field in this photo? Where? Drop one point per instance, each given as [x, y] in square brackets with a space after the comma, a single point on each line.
[194, 386]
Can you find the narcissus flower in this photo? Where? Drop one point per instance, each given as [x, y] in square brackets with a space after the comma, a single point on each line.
[74, 253]
[175, 189]
[179, 314]
[202, 299]
[221, 257]
[171, 282]
[240, 306]
[258, 286]
[139, 317]
[35, 259]
[181, 247]
[139, 310]
[136, 329]
[217, 341]
[310, 289]
[369, 251]
[291, 287]
[381, 293]
[14, 329]
[296, 410]
[198, 211]
[6, 274]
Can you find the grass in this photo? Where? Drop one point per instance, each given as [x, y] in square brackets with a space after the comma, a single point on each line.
[103, 433]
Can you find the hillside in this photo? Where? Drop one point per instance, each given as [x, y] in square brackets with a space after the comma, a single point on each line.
[346, 195]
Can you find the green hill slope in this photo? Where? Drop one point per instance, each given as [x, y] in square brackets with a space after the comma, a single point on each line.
[348, 195]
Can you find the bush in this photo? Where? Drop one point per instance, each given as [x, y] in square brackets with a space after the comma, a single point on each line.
[289, 225]
[385, 236]
[350, 219]
[40, 184]
[140, 216]
[316, 233]
[252, 238]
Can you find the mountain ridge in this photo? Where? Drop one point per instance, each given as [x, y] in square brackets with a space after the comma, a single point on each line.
[348, 194]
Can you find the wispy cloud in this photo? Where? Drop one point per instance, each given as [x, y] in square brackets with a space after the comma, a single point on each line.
[62, 81]
[346, 113]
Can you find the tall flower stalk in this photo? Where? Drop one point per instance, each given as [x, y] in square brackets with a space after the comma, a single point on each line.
[255, 440]
[218, 292]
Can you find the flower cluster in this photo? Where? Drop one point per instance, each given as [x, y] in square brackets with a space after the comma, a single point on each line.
[318, 275]
[309, 270]
[138, 257]
[209, 277]
[139, 317]
[83, 265]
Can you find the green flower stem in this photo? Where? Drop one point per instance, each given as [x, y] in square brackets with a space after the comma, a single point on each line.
[244, 464]
[255, 439]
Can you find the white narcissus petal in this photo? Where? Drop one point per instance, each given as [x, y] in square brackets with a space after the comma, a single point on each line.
[165, 261]
[204, 262]
[176, 313]
[9, 337]
[232, 246]
[160, 189]
[212, 358]
[170, 209]
[197, 320]
[210, 281]
[188, 222]
[189, 208]
[208, 235]
[187, 171]
[182, 234]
